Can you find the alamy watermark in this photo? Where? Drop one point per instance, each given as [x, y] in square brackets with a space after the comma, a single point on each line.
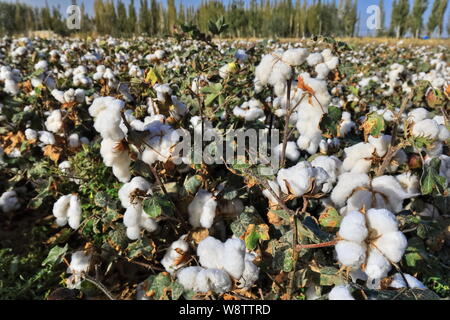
[374, 20]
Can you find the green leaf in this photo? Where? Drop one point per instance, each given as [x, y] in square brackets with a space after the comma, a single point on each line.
[193, 183]
[288, 262]
[331, 120]
[330, 219]
[155, 206]
[158, 286]
[255, 234]
[354, 90]
[431, 179]
[55, 255]
[374, 125]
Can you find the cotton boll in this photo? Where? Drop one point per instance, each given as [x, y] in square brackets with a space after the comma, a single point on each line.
[210, 252]
[357, 158]
[331, 165]
[427, 128]
[444, 134]
[31, 134]
[134, 233]
[398, 282]
[392, 190]
[60, 207]
[234, 257]
[9, 201]
[350, 254]
[377, 266]
[74, 141]
[74, 212]
[173, 258]
[250, 274]
[382, 221]
[292, 152]
[418, 114]
[264, 69]
[409, 182]
[127, 189]
[322, 71]
[353, 227]
[296, 180]
[202, 210]
[332, 63]
[54, 121]
[381, 144]
[80, 262]
[340, 293]
[295, 57]
[212, 279]
[58, 95]
[314, 59]
[359, 200]
[132, 216]
[346, 184]
[392, 245]
[187, 277]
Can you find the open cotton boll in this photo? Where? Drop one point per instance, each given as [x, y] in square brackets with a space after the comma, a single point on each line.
[9, 201]
[418, 114]
[393, 245]
[58, 95]
[210, 252]
[79, 262]
[444, 133]
[322, 70]
[427, 128]
[137, 183]
[381, 144]
[346, 124]
[295, 57]
[331, 165]
[179, 109]
[314, 59]
[346, 184]
[187, 277]
[54, 121]
[382, 221]
[212, 279]
[292, 152]
[250, 274]
[353, 227]
[60, 208]
[377, 266]
[132, 216]
[202, 210]
[172, 260]
[74, 141]
[392, 190]
[234, 257]
[409, 182]
[332, 63]
[357, 158]
[148, 223]
[359, 200]
[350, 254]
[74, 212]
[398, 282]
[297, 179]
[264, 69]
[340, 293]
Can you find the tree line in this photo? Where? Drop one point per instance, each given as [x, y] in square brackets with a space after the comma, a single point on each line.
[253, 18]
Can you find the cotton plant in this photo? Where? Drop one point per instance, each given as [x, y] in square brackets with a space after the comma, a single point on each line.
[69, 96]
[370, 241]
[220, 263]
[135, 219]
[202, 210]
[175, 257]
[67, 209]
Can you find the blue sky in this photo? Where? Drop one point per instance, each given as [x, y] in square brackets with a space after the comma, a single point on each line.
[362, 7]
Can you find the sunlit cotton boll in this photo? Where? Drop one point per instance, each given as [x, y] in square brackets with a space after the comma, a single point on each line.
[398, 282]
[350, 254]
[54, 121]
[296, 180]
[211, 252]
[340, 293]
[173, 259]
[292, 152]
[202, 210]
[353, 227]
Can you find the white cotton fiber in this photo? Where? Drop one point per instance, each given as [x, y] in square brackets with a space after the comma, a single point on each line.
[134, 233]
[314, 59]
[391, 189]
[202, 210]
[210, 252]
[382, 221]
[381, 144]
[54, 121]
[340, 293]
[275, 189]
[187, 277]
[295, 57]
[79, 262]
[359, 200]
[172, 259]
[292, 152]
[353, 227]
[250, 274]
[213, 279]
[392, 245]
[377, 266]
[427, 128]
[74, 212]
[234, 257]
[398, 282]
[346, 184]
[350, 254]
[297, 179]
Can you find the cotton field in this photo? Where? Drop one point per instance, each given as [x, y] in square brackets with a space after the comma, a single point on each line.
[99, 201]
